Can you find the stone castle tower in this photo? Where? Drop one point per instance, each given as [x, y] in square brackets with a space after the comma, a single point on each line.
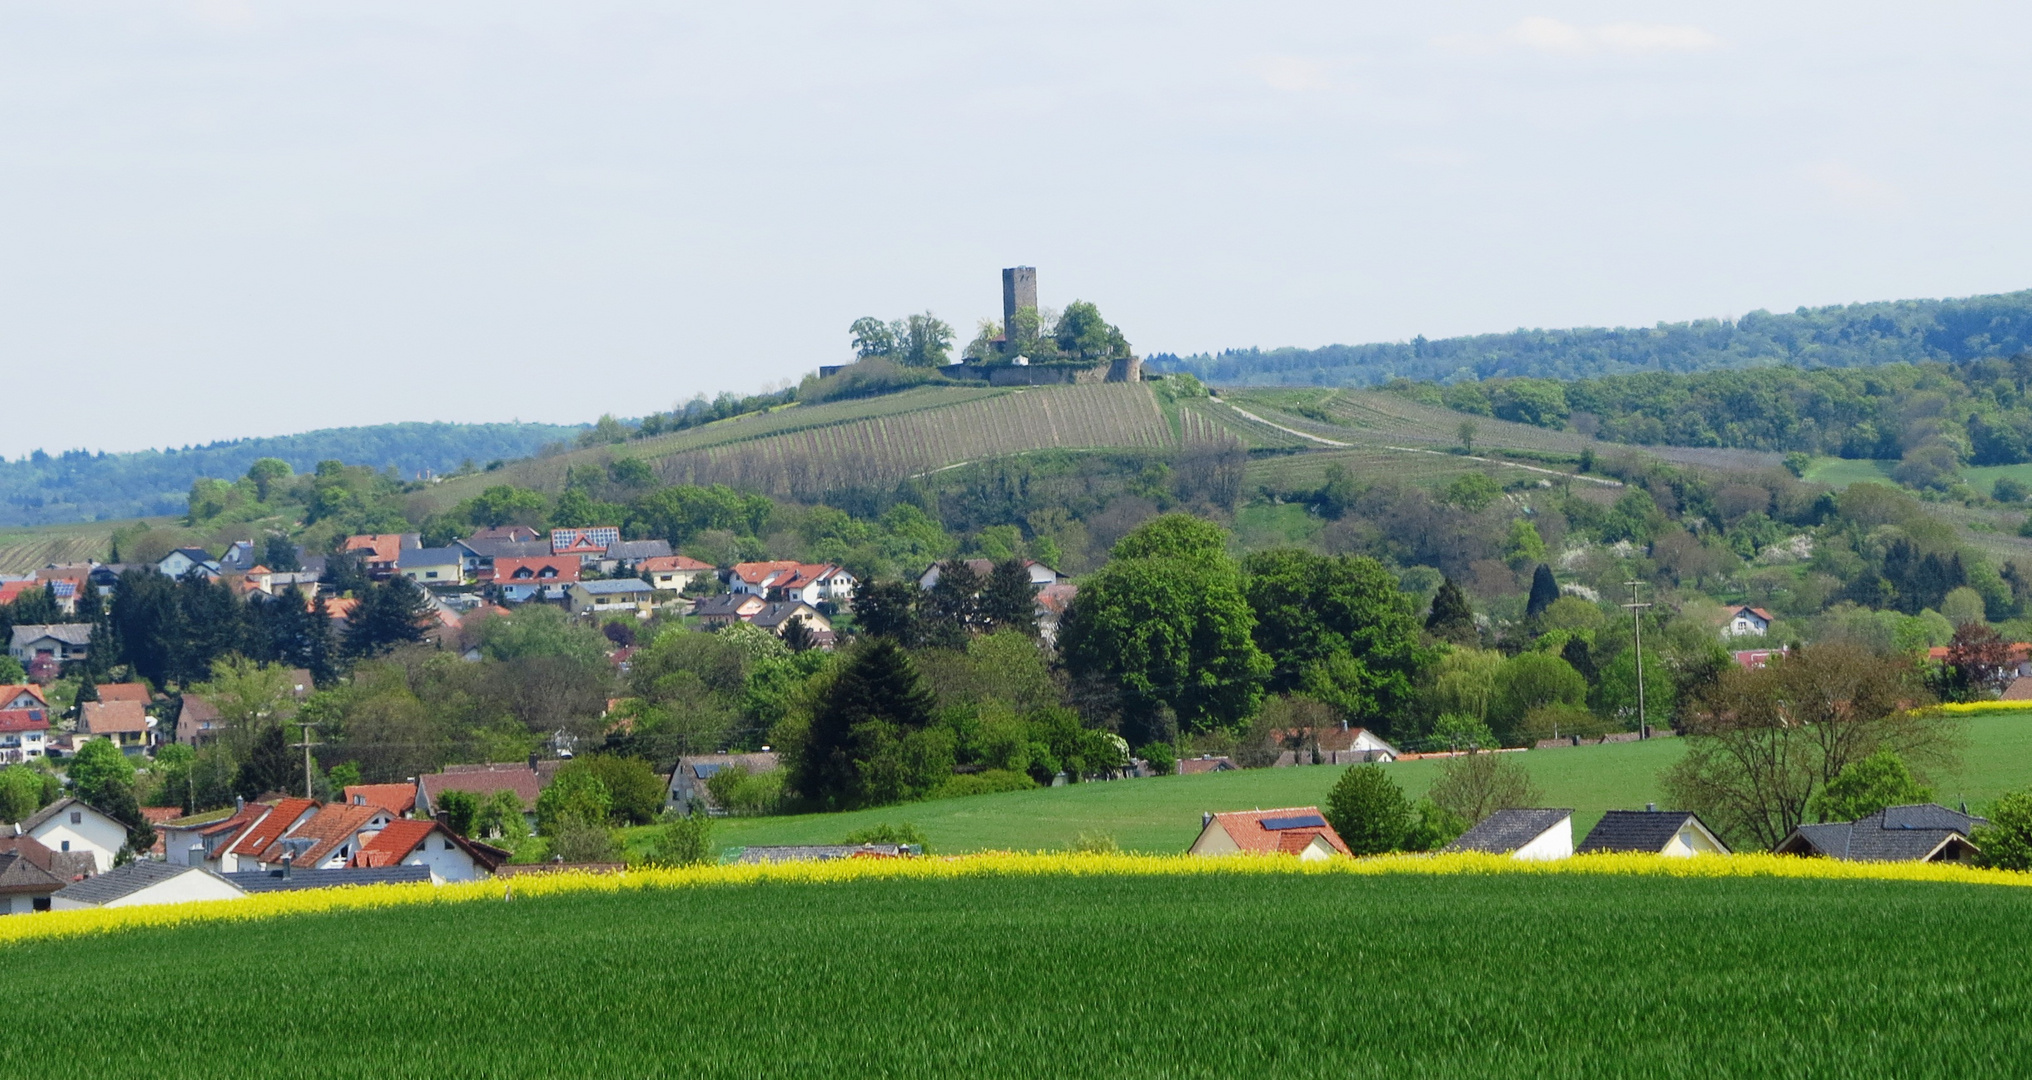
[1019, 291]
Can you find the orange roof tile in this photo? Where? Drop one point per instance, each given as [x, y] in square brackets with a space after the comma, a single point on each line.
[124, 691]
[393, 843]
[394, 798]
[271, 827]
[334, 824]
[1246, 828]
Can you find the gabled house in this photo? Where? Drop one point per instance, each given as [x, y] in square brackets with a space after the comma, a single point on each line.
[613, 594]
[674, 573]
[589, 542]
[631, 554]
[198, 722]
[1294, 830]
[1334, 746]
[514, 534]
[184, 560]
[448, 856]
[777, 615]
[1205, 763]
[1530, 834]
[30, 873]
[325, 840]
[24, 734]
[275, 583]
[68, 825]
[1747, 621]
[433, 566]
[262, 832]
[540, 570]
[22, 696]
[125, 724]
[239, 557]
[727, 609]
[813, 583]
[1675, 833]
[125, 691]
[526, 780]
[200, 839]
[687, 786]
[143, 882]
[1925, 832]
[381, 553]
[60, 643]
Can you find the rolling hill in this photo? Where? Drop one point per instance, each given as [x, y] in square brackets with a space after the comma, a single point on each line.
[1850, 335]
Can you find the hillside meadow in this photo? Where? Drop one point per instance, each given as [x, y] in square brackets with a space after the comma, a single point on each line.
[1085, 969]
[1161, 815]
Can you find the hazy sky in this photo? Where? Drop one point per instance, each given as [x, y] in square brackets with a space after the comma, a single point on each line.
[238, 218]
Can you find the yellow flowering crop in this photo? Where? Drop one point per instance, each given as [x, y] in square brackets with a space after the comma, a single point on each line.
[1966, 707]
[357, 898]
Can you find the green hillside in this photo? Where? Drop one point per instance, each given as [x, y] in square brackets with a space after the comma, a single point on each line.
[1161, 815]
[1848, 335]
[1064, 974]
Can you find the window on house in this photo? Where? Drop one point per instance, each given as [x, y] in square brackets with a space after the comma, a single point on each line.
[77, 817]
[66, 846]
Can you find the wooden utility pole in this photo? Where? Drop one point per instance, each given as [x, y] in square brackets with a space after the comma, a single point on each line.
[1637, 628]
[306, 725]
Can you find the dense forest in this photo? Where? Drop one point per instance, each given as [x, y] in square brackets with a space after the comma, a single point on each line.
[80, 485]
[1843, 336]
[1932, 417]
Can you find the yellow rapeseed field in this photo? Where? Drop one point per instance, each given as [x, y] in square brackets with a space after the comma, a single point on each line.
[1963, 708]
[313, 901]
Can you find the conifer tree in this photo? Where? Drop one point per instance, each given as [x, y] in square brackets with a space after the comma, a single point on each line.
[876, 704]
[1008, 601]
[1452, 618]
[1544, 590]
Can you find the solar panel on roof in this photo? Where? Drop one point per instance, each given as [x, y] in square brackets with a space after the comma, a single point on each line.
[1307, 821]
[704, 771]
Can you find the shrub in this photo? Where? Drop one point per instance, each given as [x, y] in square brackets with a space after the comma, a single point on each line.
[1474, 786]
[575, 840]
[684, 840]
[742, 793]
[1433, 827]
[574, 798]
[1368, 809]
[1094, 843]
[458, 810]
[2006, 842]
[1866, 787]
[1160, 757]
[986, 782]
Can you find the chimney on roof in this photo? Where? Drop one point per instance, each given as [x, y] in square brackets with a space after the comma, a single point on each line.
[532, 761]
[239, 803]
[1650, 807]
[1205, 819]
[288, 859]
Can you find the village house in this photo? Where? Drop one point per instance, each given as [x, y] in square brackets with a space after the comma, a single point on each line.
[199, 839]
[513, 534]
[1293, 830]
[58, 643]
[239, 557]
[1529, 834]
[30, 873]
[1205, 763]
[631, 554]
[380, 554]
[617, 594]
[526, 780]
[433, 566]
[125, 691]
[1652, 831]
[1334, 746]
[144, 882]
[530, 574]
[447, 855]
[591, 540]
[198, 722]
[778, 615]
[24, 733]
[687, 788]
[1746, 621]
[125, 724]
[1053, 601]
[68, 825]
[1926, 832]
[184, 560]
[813, 583]
[729, 608]
[672, 573]
[276, 583]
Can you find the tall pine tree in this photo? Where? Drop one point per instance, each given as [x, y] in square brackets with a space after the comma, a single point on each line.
[1009, 601]
[1452, 618]
[869, 726]
[1544, 590]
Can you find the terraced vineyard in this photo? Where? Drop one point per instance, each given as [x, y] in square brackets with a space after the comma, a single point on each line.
[22, 550]
[889, 448]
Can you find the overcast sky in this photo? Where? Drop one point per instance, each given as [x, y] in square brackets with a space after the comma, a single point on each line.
[233, 218]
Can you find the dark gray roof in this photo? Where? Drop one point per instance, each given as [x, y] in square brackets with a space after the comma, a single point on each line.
[1636, 830]
[778, 612]
[638, 549]
[723, 604]
[255, 881]
[1507, 830]
[616, 586]
[19, 874]
[821, 852]
[1896, 834]
[126, 881]
[444, 556]
[68, 633]
[507, 549]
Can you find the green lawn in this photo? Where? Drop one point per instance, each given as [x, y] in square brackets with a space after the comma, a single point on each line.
[1162, 814]
[1246, 975]
[1841, 472]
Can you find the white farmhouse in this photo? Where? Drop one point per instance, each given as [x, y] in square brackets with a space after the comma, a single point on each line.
[69, 825]
[1529, 834]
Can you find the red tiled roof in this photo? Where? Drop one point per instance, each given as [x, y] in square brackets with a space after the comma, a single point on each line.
[271, 827]
[377, 547]
[563, 569]
[23, 721]
[124, 691]
[9, 590]
[2020, 652]
[156, 815]
[1245, 828]
[1195, 766]
[393, 843]
[394, 798]
[334, 824]
[485, 780]
[659, 563]
[10, 691]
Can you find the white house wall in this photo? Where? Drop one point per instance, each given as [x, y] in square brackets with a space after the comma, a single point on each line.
[102, 836]
[1553, 843]
[445, 865]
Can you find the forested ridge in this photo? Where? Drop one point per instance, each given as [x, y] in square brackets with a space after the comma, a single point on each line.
[82, 485]
[1842, 336]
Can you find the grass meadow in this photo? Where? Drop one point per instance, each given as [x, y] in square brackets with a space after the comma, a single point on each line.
[1161, 815]
[1201, 974]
